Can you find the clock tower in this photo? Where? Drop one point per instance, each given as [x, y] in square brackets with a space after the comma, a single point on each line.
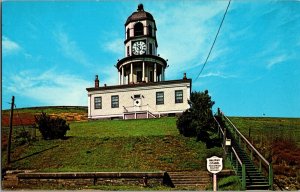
[142, 91]
[141, 63]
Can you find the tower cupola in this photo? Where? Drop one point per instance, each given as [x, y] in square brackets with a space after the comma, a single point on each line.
[141, 63]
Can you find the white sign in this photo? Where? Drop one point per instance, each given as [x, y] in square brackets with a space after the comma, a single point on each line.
[214, 164]
[228, 142]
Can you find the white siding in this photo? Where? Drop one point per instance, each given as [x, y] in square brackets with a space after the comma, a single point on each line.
[148, 98]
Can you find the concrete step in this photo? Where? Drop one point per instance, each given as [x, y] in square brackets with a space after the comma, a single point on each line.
[190, 178]
[256, 187]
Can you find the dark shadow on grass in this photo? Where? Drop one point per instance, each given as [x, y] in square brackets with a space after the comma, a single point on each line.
[67, 137]
[36, 153]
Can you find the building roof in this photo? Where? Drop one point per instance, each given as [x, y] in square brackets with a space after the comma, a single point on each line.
[139, 85]
[140, 14]
[141, 58]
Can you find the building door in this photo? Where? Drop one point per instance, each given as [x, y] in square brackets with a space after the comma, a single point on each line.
[139, 76]
[151, 76]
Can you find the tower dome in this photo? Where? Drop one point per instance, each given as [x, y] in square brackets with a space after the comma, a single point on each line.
[139, 15]
[141, 63]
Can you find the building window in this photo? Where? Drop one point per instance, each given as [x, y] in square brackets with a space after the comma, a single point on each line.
[98, 102]
[137, 96]
[115, 101]
[150, 30]
[138, 29]
[160, 98]
[128, 53]
[179, 96]
[128, 33]
[150, 48]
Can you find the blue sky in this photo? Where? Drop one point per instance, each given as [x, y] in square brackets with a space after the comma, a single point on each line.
[51, 51]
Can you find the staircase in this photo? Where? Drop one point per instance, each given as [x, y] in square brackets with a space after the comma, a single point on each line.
[190, 179]
[254, 178]
[138, 115]
[251, 177]
[10, 179]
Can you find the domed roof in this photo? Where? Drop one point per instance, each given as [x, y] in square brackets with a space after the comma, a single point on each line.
[140, 14]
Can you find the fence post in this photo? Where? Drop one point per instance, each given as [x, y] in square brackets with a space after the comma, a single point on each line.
[243, 177]
[10, 129]
[259, 164]
[271, 176]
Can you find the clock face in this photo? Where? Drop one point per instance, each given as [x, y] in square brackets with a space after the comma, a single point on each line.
[139, 48]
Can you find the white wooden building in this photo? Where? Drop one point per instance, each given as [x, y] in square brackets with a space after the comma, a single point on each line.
[143, 91]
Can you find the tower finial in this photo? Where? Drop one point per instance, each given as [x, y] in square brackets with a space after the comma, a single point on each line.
[140, 7]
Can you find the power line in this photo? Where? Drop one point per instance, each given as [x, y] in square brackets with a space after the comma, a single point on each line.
[214, 41]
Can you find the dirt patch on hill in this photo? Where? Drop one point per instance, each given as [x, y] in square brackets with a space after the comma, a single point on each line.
[27, 119]
[285, 156]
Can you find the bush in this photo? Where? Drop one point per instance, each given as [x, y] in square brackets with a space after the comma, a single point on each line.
[51, 128]
[22, 138]
[198, 120]
[184, 125]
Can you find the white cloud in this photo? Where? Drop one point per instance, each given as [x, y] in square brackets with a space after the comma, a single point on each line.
[186, 32]
[217, 74]
[110, 76]
[276, 60]
[9, 46]
[115, 46]
[50, 87]
[70, 48]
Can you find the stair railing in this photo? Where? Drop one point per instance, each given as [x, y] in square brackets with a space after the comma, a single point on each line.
[238, 164]
[221, 133]
[148, 107]
[240, 137]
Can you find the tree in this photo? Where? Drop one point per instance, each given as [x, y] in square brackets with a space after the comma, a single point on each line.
[51, 128]
[198, 120]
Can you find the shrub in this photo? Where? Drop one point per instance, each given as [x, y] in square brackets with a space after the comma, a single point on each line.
[184, 125]
[22, 138]
[198, 120]
[51, 128]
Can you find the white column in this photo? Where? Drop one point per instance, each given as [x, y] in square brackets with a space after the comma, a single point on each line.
[122, 76]
[131, 73]
[155, 78]
[143, 79]
[119, 72]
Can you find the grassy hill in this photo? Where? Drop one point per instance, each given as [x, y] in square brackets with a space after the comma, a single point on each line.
[144, 145]
[132, 145]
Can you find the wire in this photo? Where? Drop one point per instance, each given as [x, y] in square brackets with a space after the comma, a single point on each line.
[214, 41]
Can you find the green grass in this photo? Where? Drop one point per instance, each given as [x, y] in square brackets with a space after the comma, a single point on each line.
[121, 128]
[265, 129]
[131, 145]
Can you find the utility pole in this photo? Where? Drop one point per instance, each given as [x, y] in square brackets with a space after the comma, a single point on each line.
[10, 129]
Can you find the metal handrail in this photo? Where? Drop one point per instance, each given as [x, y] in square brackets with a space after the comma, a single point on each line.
[246, 140]
[237, 156]
[219, 125]
[270, 167]
[128, 109]
[243, 169]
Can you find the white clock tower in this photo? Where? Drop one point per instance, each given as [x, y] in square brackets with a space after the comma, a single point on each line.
[141, 63]
[142, 91]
